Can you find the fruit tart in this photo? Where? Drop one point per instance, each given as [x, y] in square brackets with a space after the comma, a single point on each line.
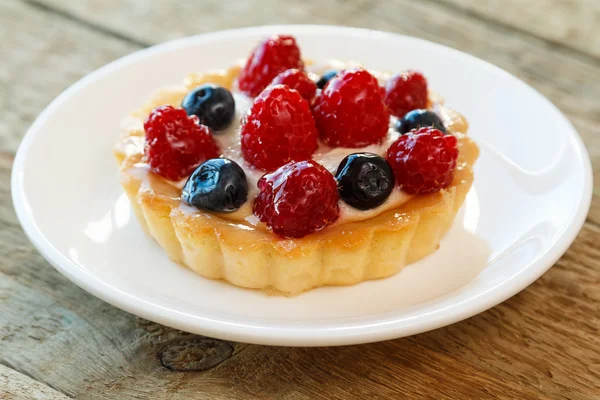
[285, 175]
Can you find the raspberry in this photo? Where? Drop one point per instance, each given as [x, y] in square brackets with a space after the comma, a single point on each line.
[406, 92]
[271, 57]
[423, 160]
[175, 143]
[350, 111]
[297, 199]
[297, 79]
[278, 128]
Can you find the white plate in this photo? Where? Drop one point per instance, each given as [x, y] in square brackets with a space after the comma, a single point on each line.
[531, 195]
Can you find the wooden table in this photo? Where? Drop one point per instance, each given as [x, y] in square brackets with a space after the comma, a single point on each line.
[57, 341]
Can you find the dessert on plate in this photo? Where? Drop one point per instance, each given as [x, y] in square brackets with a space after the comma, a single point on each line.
[284, 175]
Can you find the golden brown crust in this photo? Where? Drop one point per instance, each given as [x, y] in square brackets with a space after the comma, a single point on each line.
[249, 256]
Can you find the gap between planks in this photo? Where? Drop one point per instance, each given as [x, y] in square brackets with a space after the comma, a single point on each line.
[451, 7]
[500, 25]
[90, 25]
[13, 375]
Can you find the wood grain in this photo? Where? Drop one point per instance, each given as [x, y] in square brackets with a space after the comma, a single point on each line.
[40, 57]
[157, 22]
[542, 343]
[15, 386]
[569, 23]
[572, 24]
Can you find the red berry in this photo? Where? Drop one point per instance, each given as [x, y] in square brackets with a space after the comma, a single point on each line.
[297, 199]
[175, 143]
[271, 57]
[278, 128]
[423, 160]
[406, 92]
[297, 79]
[350, 111]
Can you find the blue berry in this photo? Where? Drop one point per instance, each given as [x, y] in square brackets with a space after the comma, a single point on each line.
[217, 185]
[416, 119]
[212, 104]
[365, 180]
[326, 77]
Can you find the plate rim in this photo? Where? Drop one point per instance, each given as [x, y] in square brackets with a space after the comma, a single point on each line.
[286, 336]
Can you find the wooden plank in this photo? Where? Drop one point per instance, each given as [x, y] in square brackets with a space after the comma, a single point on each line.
[569, 23]
[41, 56]
[16, 386]
[160, 21]
[542, 343]
[568, 79]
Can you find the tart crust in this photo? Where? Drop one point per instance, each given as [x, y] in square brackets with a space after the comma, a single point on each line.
[252, 257]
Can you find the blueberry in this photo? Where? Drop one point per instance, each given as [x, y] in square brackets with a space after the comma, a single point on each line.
[365, 180]
[214, 105]
[326, 77]
[218, 185]
[416, 119]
